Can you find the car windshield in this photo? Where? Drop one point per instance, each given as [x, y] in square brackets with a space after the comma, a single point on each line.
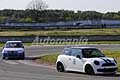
[92, 53]
[14, 45]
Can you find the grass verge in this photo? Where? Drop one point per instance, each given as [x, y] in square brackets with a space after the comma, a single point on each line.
[51, 59]
[69, 43]
[78, 43]
[70, 32]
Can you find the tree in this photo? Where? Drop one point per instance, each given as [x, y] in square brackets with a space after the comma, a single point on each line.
[37, 5]
[25, 20]
[2, 19]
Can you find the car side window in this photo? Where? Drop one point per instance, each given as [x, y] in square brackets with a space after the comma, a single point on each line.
[75, 52]
[67, 51]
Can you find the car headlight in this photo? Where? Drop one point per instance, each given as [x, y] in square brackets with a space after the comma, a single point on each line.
[20, 51]
[96, 62]
[5, 51]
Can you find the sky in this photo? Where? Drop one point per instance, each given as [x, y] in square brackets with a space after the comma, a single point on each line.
[83, 5]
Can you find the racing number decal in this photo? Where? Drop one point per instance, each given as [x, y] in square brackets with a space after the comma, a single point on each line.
[74, 61]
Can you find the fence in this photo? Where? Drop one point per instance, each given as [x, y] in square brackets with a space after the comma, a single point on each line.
[64, 25]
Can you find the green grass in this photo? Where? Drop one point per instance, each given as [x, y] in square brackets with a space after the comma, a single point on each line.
[110, 53]
[49, 58]
[2, 44]
[74, 32]
[70, 43]
[78, 43]
[104, 42]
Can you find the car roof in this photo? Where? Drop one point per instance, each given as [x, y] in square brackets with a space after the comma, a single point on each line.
[13, 41]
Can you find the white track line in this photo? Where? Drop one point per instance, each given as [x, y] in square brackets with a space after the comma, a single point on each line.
[10, 62]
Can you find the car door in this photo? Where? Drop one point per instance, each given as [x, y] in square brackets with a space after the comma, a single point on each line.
[67, 58]
[77, 61]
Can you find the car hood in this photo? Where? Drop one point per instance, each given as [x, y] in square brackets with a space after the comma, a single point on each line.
[101, 59]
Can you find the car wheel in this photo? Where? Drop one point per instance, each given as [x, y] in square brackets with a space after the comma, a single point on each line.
[3, 57]
[113, 74]
[60, 67]
[23, 58]
[89, 70]
[6, 58]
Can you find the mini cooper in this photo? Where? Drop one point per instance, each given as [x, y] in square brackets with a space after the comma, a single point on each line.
[86, 60]
[13, 49]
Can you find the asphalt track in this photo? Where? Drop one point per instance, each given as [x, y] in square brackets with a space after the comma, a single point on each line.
[27, 70]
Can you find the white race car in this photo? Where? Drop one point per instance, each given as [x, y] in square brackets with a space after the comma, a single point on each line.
[87, 60]
[13, 49]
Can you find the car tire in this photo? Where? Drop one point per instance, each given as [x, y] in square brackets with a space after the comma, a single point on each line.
[113, 74]
[23, 58]
[89, 70]
[3, 57]
[60, 67]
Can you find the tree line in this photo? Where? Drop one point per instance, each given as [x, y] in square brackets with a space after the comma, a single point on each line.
[28, 15]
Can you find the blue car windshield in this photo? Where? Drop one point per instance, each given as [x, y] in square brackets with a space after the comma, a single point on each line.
[14, 45]
[92, 53]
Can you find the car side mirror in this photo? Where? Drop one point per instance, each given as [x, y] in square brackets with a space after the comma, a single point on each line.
[78, 56]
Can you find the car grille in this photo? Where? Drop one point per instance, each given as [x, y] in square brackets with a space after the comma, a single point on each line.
[108, 64]
[12, 51]
[107, 70]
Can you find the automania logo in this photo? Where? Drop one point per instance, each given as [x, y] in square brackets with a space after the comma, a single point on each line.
[60, 40]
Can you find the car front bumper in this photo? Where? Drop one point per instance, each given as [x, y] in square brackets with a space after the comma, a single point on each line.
[106, 70]
[13, 55]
